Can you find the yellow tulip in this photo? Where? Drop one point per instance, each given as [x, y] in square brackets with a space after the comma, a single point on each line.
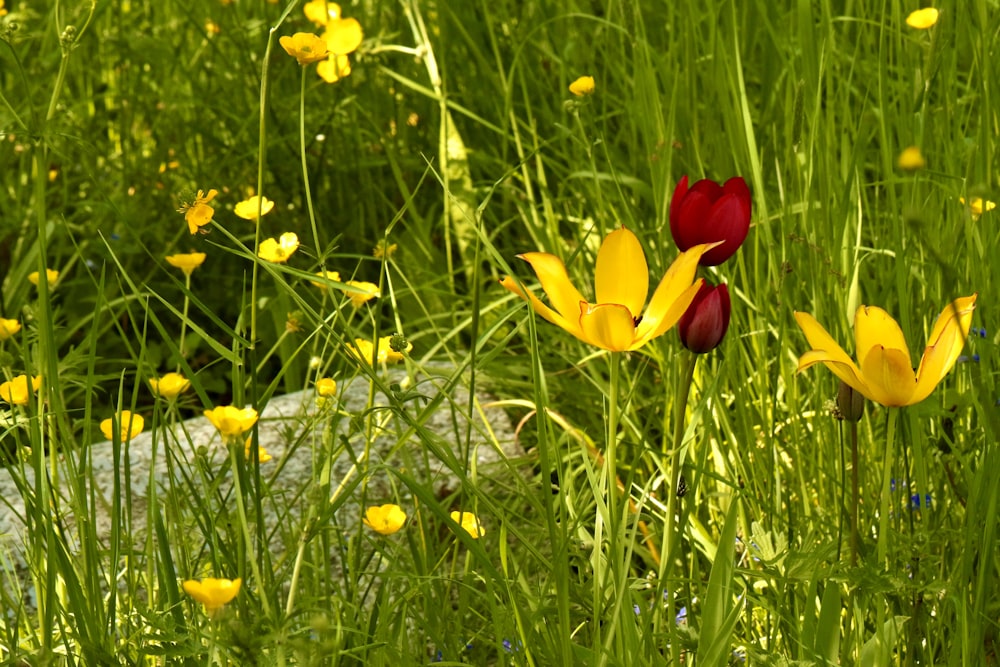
[616, 321]
[885, 374]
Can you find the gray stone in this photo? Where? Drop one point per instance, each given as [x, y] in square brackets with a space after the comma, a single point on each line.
[343, 454]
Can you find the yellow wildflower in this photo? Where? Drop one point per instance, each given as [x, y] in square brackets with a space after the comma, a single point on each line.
[385, 519]
[978, 206]
[583, 86]
[170, 386]
[16, 391]
[326, 387]
[922, 19]
[198, 213]
[8, 328]
[321, 11]
[470, 522]
[362, 292]
[129, 426]
[305, 47]
[247, 209]
[334, 68]
[911, 159]
[213, 593]
[362, 349]
[326, 275]
[232, 421]
[186, 262]
[262, 455]
[51, 274]
[279, 250]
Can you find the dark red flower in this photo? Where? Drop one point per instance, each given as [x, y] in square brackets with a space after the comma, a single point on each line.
[703, 325]
[708, 212]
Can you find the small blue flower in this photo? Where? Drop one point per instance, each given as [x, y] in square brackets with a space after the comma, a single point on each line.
[915, 501]
[636, 609]
[682, 616]
[892, 484]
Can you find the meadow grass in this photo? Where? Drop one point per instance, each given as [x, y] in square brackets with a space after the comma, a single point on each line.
[454, 145]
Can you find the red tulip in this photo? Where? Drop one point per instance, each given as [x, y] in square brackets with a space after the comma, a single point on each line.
[703, 325]
[708, 212]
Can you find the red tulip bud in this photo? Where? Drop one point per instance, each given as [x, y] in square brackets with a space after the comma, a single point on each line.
[704, 323]
[708, 212]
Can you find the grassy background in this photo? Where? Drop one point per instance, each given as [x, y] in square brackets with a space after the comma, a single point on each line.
[455, 137]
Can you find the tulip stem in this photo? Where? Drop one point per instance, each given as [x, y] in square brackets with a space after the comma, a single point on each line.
[883, 516]
[615, 551]
[855, 493]
[672, 535]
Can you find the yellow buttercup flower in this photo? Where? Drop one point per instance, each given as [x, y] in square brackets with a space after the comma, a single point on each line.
[8, 328]
[305, 47]
[262, 455]
[470, 522]
[362, 292]
[911, 159]
[334, 68]
[326, 387]
[385, 519]
[247, 209]
[129, 426]
[922, 19]
[321, 11]
[978, 206]
[279, 250]
[362, 349]
[213, 593]
[583, 86]
[198, 213]
[186, 262]
[616, 321]
[170, 386]
[16, 391]
[885, 374]
[326, 275]
[232, 421]
[51, 274]
[343, 36]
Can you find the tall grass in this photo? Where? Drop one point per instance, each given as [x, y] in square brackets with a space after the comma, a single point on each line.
[455, 141]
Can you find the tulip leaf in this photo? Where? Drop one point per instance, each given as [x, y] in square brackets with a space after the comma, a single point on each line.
[719, 614]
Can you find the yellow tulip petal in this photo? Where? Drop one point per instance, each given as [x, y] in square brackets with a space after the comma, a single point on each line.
[873, 326]
[622, 275]
[667, 320]
[822, 341]
[570, 325]
[889, 376]
[845, 370]
[551, 272]
[946, 343]
[607, 325]
[674, 286]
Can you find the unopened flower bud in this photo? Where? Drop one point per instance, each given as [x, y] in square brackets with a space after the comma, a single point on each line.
[703, 325]
[850, 402]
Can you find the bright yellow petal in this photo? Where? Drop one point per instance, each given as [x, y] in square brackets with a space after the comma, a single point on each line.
[622, 275]
[945, 345]
[889, 376]
[551, 272]
[608, 326]
[846, 371]
[570, 325]
[673, 288]
[668, 319]
[343, 36]
[820, 340]
[873, 326]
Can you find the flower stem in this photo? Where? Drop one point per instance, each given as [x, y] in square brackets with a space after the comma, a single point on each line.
[673, 529]
[305, 169]
[883, 515]
[180, 350]
[855, 493]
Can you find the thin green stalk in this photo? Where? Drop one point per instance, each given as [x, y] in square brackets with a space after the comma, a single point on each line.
[615, 521]
[672, 534]
[241, 511]
[855, 493]
[305, 169]
[184, 319]
[883, 518]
